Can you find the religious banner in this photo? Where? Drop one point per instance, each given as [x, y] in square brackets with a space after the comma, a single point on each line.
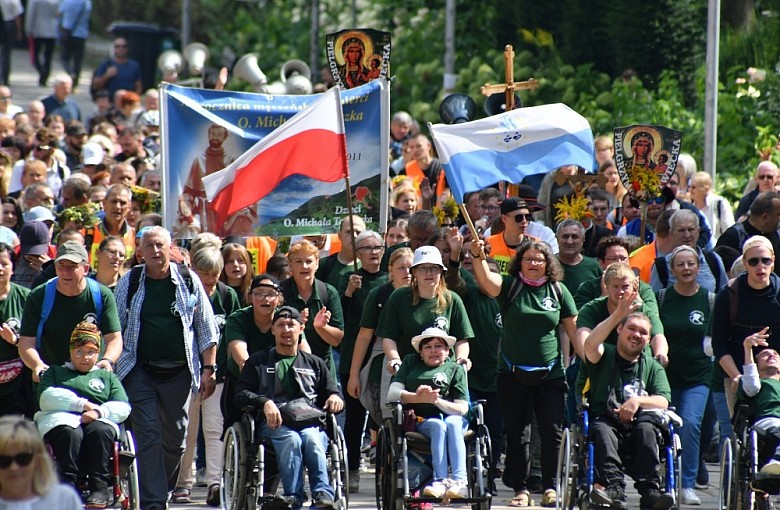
[205, 131]
[357, 56]
[646, 157]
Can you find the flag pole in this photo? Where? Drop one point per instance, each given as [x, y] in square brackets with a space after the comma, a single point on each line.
[351, 224]
[465, 213]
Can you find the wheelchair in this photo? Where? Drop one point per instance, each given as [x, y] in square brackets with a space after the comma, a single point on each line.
[123, 484]
[250, 477]
[741, 457]
[394, 446]
[576, 472]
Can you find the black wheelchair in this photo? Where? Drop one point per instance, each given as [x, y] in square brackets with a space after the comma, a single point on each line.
[576, 472]
[394, 446]
[123, 485]
[742, 455]
[250, 477]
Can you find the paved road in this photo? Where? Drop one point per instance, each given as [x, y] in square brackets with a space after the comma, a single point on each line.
[365, 499]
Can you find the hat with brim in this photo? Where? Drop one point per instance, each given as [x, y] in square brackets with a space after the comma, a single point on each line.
[528, 194]
[427, 255]
[39, 213]
[34, 238]
[72, 251]
[432, 333]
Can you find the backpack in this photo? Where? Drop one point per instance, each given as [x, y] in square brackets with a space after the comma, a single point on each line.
[517, 286]
[135, 281]
[663, 269]
[50, 293]
[710, 299]
[322, 290]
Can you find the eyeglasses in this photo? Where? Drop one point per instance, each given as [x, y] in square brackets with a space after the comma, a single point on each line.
[21, 459]
[759, 177]
[265, 295]
[114, 253]
[520, 217]
[534, 262]
[5, 98]
[42, 147]
[85, 353]
[428, 269]
[753, 262]
[373, 249]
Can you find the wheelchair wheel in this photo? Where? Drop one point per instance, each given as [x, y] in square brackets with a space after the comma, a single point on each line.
[129, 482]
[234, 472]
[386, 475]
[562, 480]
[480, 475]
[727, 478]
[339, 468]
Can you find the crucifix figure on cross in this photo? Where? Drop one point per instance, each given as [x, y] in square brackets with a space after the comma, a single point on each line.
[510, 86]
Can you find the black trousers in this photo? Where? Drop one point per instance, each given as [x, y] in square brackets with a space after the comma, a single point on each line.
[72, 55]
[85, 449]
[636, 448]
[519, 403]
[44, 49]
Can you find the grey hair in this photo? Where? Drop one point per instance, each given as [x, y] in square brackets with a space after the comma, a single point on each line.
[683, 215]
[570, 223]
[208, 259]
[368, 234]
[681, 249]
[155, 230]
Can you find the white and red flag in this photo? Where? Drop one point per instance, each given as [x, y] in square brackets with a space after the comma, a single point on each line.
[311, 143]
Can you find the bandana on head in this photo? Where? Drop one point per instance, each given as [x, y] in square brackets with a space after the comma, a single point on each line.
[84, 333]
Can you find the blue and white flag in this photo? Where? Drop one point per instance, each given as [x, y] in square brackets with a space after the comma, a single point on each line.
[511, 146]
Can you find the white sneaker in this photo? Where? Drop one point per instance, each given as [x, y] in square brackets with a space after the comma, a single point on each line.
[457, 489]
[772, 468]
[435, 490]
[200, 478]
[689, 497]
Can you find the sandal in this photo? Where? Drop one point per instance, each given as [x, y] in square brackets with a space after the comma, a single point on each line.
[181, 496]
[522, 499]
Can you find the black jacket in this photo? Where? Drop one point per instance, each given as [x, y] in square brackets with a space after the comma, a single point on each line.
[258, 382]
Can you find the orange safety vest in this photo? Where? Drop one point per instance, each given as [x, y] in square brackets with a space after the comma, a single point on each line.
[642, 261]
[93, 236]
[260, 248]
[502, 253]
[414, 172]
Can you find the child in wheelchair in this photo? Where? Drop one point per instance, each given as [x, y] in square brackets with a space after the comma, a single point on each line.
[435, 388]
[760, 386]
[81, 407]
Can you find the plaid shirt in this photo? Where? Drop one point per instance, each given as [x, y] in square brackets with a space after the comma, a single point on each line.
[197, 317]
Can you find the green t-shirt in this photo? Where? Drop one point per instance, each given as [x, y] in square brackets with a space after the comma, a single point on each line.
[65, 314]
[335, 270]
[353, 312]
[611, 373]
[241, 325]
[449, 379]
[767, 401]
[401, 320]
[485, 317]
[595, 312]
[11, 310]
[98, 386]
[574, 276]
[530, 334]
[319, 347]
[591, 290]
[370, 320]
[285, 375]
[161, 337]
[685, 320]
[221, 312]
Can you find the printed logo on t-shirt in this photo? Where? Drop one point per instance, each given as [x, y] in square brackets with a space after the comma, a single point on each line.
[442, 323]
[91, 318]
[220, 321]
[14, 324]
[499, 321]
[96, 385]
[696, 317]
[548, 303]
[440, 380]
[174, 310]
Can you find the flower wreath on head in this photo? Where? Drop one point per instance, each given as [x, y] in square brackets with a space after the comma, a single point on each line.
[449, 209]
[84, 215]
[148, 199]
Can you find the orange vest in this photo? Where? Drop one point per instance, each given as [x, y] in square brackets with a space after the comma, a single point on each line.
[642, 261]
[414, 172]
[260, 248]
[501, 252]
[93, 236]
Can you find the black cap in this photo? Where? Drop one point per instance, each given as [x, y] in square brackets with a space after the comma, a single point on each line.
[287, 312]
[265, 276]
[513, 204]
[528, 193]
[75, 130]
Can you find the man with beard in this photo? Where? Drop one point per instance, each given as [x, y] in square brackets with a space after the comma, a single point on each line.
[625, 382]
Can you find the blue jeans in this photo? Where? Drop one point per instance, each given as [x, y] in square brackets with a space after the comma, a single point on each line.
[446, 440]
[724, 417]
[690, 404]
[294, 450]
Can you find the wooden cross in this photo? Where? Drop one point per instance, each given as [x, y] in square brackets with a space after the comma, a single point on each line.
[510, 86]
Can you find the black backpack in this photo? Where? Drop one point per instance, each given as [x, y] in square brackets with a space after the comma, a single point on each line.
[663, 269]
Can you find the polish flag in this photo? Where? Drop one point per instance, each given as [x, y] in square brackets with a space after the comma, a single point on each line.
[311, 143]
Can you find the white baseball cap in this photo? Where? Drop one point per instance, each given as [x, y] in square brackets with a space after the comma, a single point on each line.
[92, 153]
[427, 255]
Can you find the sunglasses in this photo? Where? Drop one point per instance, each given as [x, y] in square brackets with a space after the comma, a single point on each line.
[656, 200]
[760, 177]
[521, 217]
[21, 459]
[753, 262]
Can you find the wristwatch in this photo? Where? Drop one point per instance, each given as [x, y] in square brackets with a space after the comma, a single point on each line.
[213, 368]
[113, 365]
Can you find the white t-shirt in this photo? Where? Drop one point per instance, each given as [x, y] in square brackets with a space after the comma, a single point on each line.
[11, 9]
[60, 497]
